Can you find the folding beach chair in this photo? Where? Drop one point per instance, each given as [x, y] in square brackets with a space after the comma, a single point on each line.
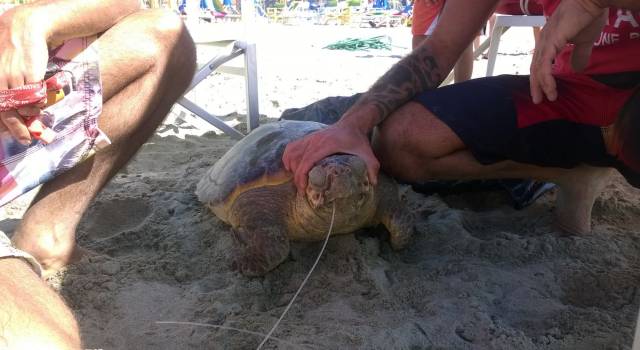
[249, 71]
[522, 13]
[510, 13]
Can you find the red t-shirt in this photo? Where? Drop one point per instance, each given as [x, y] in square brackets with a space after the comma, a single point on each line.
[617, 49]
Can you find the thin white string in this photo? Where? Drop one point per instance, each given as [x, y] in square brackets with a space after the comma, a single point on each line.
[264, 341]
[268, 335]
[230, 329]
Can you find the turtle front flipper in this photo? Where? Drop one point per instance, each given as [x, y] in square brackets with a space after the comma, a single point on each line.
[259, 249]
[400, 224]
[393, 213]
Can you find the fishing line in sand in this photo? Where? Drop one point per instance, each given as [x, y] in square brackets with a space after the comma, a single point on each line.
[227, 328]
[268, 336]
[324, 245]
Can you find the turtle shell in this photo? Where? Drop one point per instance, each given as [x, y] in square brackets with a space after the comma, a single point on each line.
[254, 161]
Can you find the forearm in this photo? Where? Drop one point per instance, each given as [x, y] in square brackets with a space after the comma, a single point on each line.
[426, 67]
[65, 19]
[417, 72]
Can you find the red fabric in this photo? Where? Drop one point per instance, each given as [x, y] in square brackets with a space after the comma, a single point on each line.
[32, 94]
[580, 99]
[23, 96]
[57, 81]
[424, 13]
[520, 7]
[617, 49]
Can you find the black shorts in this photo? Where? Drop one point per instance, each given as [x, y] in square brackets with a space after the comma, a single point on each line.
[496, 120]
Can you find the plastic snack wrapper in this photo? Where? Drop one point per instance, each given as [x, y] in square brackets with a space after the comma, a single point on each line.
[66, 131]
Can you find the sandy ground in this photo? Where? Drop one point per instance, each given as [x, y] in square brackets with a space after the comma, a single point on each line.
[478, 275]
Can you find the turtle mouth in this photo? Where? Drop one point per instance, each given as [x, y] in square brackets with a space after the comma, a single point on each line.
[318, 194]
[336, 186]
[336, 179]
[320, 191]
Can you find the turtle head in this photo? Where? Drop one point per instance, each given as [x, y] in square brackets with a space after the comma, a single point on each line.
[339, 178]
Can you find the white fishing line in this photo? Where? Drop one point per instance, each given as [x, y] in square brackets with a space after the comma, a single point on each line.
[231, 329]
[333, 217]
[268, 336]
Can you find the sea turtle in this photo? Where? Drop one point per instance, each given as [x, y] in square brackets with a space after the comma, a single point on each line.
[249, 189]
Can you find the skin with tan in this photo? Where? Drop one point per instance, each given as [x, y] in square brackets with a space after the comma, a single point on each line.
[574, 21]
[32, 315]
[412, 144]
[147, 60]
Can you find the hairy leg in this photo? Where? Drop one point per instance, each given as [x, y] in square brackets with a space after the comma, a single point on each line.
[32, 316]
[414, 145]
[146, 61]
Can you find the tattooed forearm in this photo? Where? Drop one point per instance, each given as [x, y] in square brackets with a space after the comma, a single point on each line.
[415, 73]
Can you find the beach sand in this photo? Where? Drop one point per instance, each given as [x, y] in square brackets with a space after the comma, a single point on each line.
[478, 274]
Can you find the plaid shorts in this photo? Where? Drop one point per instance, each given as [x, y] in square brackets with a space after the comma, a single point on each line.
[7, 250]
[73, 119]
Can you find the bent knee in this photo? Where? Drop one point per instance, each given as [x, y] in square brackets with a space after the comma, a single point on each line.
[413, 128]
[412, 137]
[165, 26]
[393, 147]
[166, 38]
[394, 131]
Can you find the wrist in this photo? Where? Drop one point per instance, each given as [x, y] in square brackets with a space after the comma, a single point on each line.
[359, 119]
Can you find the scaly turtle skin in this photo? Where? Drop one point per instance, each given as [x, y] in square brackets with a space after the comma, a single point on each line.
[249, 189]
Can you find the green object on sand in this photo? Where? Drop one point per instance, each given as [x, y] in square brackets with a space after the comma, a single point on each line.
[353, 44]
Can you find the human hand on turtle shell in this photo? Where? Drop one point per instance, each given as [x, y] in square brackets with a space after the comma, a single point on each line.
[301, 155]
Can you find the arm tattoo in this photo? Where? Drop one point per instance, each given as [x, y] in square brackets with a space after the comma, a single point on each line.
[415, 73]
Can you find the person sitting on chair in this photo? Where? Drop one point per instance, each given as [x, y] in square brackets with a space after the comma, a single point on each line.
[146, 61]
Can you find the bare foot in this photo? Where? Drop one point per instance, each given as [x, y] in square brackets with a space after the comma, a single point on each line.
[578, 191]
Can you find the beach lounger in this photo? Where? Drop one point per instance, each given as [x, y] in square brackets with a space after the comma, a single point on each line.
[232, 50]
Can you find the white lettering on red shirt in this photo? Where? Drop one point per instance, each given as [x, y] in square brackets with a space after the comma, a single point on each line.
[607, 39]
[625, 16]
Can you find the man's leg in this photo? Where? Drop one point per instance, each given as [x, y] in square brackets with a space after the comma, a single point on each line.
[414, 145]
[146, 61]
[32, 316]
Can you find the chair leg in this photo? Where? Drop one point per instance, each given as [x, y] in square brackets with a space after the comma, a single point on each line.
[496, 33]
[213, 120]
[251, 80]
